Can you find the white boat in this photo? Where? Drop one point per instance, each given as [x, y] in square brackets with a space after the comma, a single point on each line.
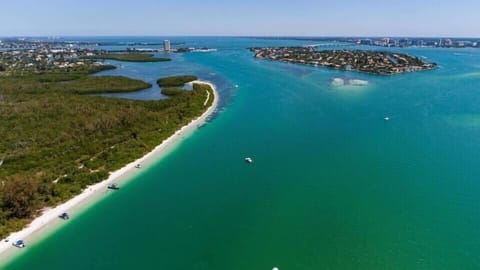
[386, 118]
[248, 160]
[19, 244]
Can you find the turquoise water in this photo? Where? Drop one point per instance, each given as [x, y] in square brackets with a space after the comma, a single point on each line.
[333, 186]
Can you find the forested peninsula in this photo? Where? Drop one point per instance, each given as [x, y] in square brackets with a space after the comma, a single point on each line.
[128, 57]
[57, 139]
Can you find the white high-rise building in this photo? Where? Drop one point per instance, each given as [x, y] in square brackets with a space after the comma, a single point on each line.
[166, 45]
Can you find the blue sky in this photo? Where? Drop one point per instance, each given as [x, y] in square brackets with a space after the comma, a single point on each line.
[241, 17]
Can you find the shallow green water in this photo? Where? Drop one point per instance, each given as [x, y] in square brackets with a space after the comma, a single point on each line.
[333, 186]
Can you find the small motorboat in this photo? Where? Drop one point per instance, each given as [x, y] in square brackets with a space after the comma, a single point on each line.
[138, 166]
[19, 244]
[386, 118]
[248, 160]
[113, 186]
[64, 216]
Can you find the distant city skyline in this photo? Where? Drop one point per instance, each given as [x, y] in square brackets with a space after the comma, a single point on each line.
[406, 18]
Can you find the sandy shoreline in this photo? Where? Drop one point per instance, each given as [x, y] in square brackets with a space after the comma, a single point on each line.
[49, 220]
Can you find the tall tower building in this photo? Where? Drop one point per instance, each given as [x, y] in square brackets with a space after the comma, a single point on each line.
[166, 45]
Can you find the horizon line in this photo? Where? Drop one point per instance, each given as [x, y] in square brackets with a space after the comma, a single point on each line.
[242, 36]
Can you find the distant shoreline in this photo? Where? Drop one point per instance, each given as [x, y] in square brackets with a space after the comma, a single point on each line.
[49, 219]
[364, 61]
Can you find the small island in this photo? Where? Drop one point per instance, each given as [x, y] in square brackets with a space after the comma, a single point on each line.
[176, 81]
[339, 82]
[173, 86]
[373, 62]
[127, 57]
[187, 50]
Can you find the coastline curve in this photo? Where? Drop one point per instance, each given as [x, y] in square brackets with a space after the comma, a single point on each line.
[48, 221]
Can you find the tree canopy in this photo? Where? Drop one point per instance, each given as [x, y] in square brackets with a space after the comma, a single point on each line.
[176, 81]
[56, 140]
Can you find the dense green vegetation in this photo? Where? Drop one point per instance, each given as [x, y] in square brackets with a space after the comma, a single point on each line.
[170, 91]
[176, 81]
[71, 84]
[56, 142]
[130, 57]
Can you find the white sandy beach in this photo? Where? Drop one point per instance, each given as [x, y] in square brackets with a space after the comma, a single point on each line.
[49, 219]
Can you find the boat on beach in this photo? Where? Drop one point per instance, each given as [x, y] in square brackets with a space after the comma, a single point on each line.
[19, 244]
[113, 186]
[64, 216]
